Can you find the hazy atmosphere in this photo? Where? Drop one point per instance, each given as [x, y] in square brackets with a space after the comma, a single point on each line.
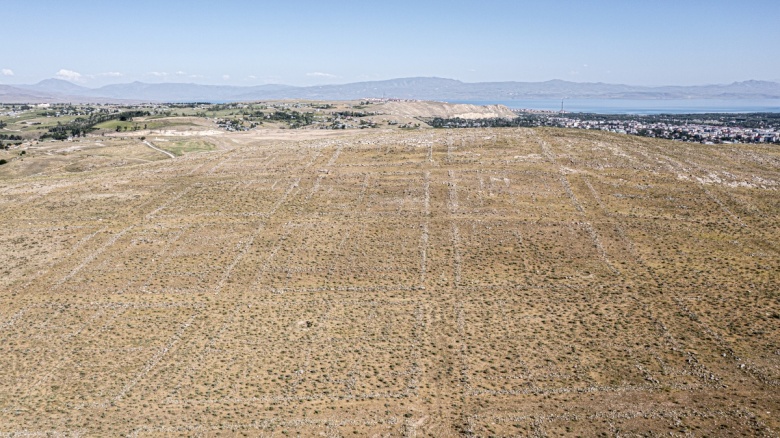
[94, 43]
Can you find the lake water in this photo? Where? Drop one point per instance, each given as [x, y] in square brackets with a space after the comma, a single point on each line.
[631, 106]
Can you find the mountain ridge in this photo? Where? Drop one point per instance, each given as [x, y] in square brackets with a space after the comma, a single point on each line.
[415, 88]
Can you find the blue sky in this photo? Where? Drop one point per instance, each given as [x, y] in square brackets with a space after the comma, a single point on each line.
[657, 42]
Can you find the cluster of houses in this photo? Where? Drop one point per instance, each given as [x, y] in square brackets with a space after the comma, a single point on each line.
[692, 132]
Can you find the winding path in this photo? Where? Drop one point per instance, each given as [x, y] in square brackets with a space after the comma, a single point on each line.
[158, 149]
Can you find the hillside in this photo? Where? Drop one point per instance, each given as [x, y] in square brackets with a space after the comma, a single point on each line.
[475, 282]
[446, 110]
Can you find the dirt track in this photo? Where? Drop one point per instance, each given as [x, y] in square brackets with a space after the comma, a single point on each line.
[158, 149]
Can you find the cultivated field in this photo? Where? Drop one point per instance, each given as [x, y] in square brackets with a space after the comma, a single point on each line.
[504, 282]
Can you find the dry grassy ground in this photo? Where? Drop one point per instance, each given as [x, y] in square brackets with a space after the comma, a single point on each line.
[434, 283]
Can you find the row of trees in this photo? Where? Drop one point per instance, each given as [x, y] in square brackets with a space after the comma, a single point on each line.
[496, 122]
[9, 139]
[294, 118]
[352, 114]
[82, 125]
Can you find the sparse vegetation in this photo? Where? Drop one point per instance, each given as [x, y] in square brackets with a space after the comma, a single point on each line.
[387, 282]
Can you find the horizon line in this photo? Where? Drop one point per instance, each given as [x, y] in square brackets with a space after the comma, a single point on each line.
[384, 80]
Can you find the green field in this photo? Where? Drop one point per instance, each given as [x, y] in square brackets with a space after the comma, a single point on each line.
[181, 147]
[153, 124]
[111, 125]
[23, 124]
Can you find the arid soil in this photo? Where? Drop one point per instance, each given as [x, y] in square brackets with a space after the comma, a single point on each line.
[446, 110]
[503, 282]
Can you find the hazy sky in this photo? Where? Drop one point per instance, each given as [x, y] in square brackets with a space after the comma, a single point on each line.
[638, 42]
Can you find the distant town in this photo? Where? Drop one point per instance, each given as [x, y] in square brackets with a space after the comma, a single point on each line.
[712, 128]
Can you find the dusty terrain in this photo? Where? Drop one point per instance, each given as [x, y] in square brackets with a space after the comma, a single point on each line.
[446, 110]
[507, 282]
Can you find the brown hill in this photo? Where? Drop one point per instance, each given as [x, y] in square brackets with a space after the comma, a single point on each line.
[447, 110]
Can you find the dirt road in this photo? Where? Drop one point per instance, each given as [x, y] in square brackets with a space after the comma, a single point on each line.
[158, 149]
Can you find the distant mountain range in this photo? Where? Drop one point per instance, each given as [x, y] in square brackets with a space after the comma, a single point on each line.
[59, 91]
